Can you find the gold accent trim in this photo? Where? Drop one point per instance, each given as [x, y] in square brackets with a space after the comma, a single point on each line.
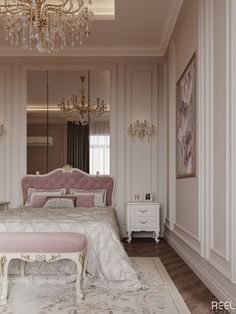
[67, 167]
[3, 261]
[81, 260]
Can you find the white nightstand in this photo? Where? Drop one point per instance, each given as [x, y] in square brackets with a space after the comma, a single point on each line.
[4, 205]
[143, 216]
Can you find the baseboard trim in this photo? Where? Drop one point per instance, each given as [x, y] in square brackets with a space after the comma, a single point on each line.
[214, 286]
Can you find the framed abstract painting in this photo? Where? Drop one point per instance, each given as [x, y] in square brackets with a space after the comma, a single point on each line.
[186, 122]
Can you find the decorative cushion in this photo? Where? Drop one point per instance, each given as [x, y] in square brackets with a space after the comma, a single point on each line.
[38, 200]
[99, 195]
[85, 200]
[32, 192]
[60, 202]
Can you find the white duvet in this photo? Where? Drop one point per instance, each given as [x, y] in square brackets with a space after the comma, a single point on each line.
[108, 264]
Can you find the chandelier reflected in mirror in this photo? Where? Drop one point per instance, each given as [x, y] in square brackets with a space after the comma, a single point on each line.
[43, 24]
[81, 105]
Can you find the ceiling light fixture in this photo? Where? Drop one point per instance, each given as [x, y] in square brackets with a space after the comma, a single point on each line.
[81, 105]
[42, 24]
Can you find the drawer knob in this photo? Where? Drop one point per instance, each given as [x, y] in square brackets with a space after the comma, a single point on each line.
[143, 222]
[143, 210]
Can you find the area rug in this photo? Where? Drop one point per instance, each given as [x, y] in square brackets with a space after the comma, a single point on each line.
[161, 297]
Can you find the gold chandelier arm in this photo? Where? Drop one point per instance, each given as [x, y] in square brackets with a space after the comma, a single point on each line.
[15, 9]
[42, 24]
[59, 8]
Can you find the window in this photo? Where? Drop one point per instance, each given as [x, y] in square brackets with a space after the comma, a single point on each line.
[99, 154]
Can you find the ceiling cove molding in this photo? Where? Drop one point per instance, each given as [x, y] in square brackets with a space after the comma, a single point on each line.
[181, 17]
[170, 25]
[104, 51]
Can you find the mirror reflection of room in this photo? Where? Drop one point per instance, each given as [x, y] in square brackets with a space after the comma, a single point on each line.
[59, 131]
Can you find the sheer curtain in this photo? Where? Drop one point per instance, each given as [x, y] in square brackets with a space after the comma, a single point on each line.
[99, 147]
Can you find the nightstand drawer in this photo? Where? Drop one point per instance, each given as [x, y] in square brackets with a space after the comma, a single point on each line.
[143, 210]
[144, 223]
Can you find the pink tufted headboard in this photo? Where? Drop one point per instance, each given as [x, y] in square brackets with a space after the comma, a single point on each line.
[68, 177]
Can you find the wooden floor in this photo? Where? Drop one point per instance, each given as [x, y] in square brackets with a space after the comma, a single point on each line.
[195, 294]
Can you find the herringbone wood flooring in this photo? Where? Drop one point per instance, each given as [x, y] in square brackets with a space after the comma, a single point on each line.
[195, 294]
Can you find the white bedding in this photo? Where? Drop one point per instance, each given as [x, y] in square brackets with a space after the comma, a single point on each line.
[108, 264]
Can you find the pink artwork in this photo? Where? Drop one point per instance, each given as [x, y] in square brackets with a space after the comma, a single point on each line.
[186, 122]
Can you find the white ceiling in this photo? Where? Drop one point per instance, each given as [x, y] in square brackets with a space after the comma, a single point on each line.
[140, 27]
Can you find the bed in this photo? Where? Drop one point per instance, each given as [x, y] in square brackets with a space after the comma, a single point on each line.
[108, 265]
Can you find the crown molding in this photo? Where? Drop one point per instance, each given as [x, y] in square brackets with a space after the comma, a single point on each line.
[170, 26]
[105, 51]
[181, 17]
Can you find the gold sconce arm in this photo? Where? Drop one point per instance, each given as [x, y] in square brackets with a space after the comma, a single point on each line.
[3, 130]
[141, 129]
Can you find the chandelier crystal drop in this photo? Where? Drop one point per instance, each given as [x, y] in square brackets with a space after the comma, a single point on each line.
[43, 24]
[81, 105]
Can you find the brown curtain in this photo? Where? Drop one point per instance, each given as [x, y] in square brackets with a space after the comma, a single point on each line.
[78, 146]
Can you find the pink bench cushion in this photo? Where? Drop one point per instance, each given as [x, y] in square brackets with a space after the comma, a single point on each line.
[42, 242]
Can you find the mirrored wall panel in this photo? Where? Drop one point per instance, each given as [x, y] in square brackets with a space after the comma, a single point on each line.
[68, 120]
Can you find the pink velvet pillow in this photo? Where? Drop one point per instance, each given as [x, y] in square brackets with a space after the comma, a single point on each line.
[85, 200]
[38, 200]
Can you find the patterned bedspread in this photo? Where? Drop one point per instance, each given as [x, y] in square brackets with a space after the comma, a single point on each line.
[108, 264]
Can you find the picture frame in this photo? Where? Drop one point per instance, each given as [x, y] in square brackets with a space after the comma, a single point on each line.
[138, 197]
[148, 197]
[186, 122]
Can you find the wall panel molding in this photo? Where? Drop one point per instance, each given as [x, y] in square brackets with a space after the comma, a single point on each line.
[222, 288]
[6, 189]
[163, 141]
[228, 131]
[202, 58]
[172, 126]
[141, 154]
[215, 256]
[232, 196]
[187, 237]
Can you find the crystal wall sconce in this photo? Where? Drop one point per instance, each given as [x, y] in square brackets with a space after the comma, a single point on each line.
[3, 130]
[141, 129]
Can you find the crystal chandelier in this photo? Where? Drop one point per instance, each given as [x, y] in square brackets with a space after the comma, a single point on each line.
[81, 105]
[141, 129]
[42, 24]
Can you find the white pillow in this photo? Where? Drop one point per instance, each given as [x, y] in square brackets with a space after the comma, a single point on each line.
[32, 192]
[99, 195]
[59, 203]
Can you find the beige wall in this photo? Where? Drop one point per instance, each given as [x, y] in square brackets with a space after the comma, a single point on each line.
[201, 217]
[219, 127]
[186, 189]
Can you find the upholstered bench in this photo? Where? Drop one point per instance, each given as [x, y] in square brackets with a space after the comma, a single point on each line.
[41, 246]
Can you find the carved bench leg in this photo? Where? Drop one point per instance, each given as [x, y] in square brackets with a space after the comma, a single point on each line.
[4, 262]
[79, 260]
[84, 263]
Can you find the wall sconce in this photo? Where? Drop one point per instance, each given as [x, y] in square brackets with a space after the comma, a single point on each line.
[3, 130]
[141, 129]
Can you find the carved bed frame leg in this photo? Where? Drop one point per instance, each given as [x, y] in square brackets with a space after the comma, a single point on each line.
[4, 262]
